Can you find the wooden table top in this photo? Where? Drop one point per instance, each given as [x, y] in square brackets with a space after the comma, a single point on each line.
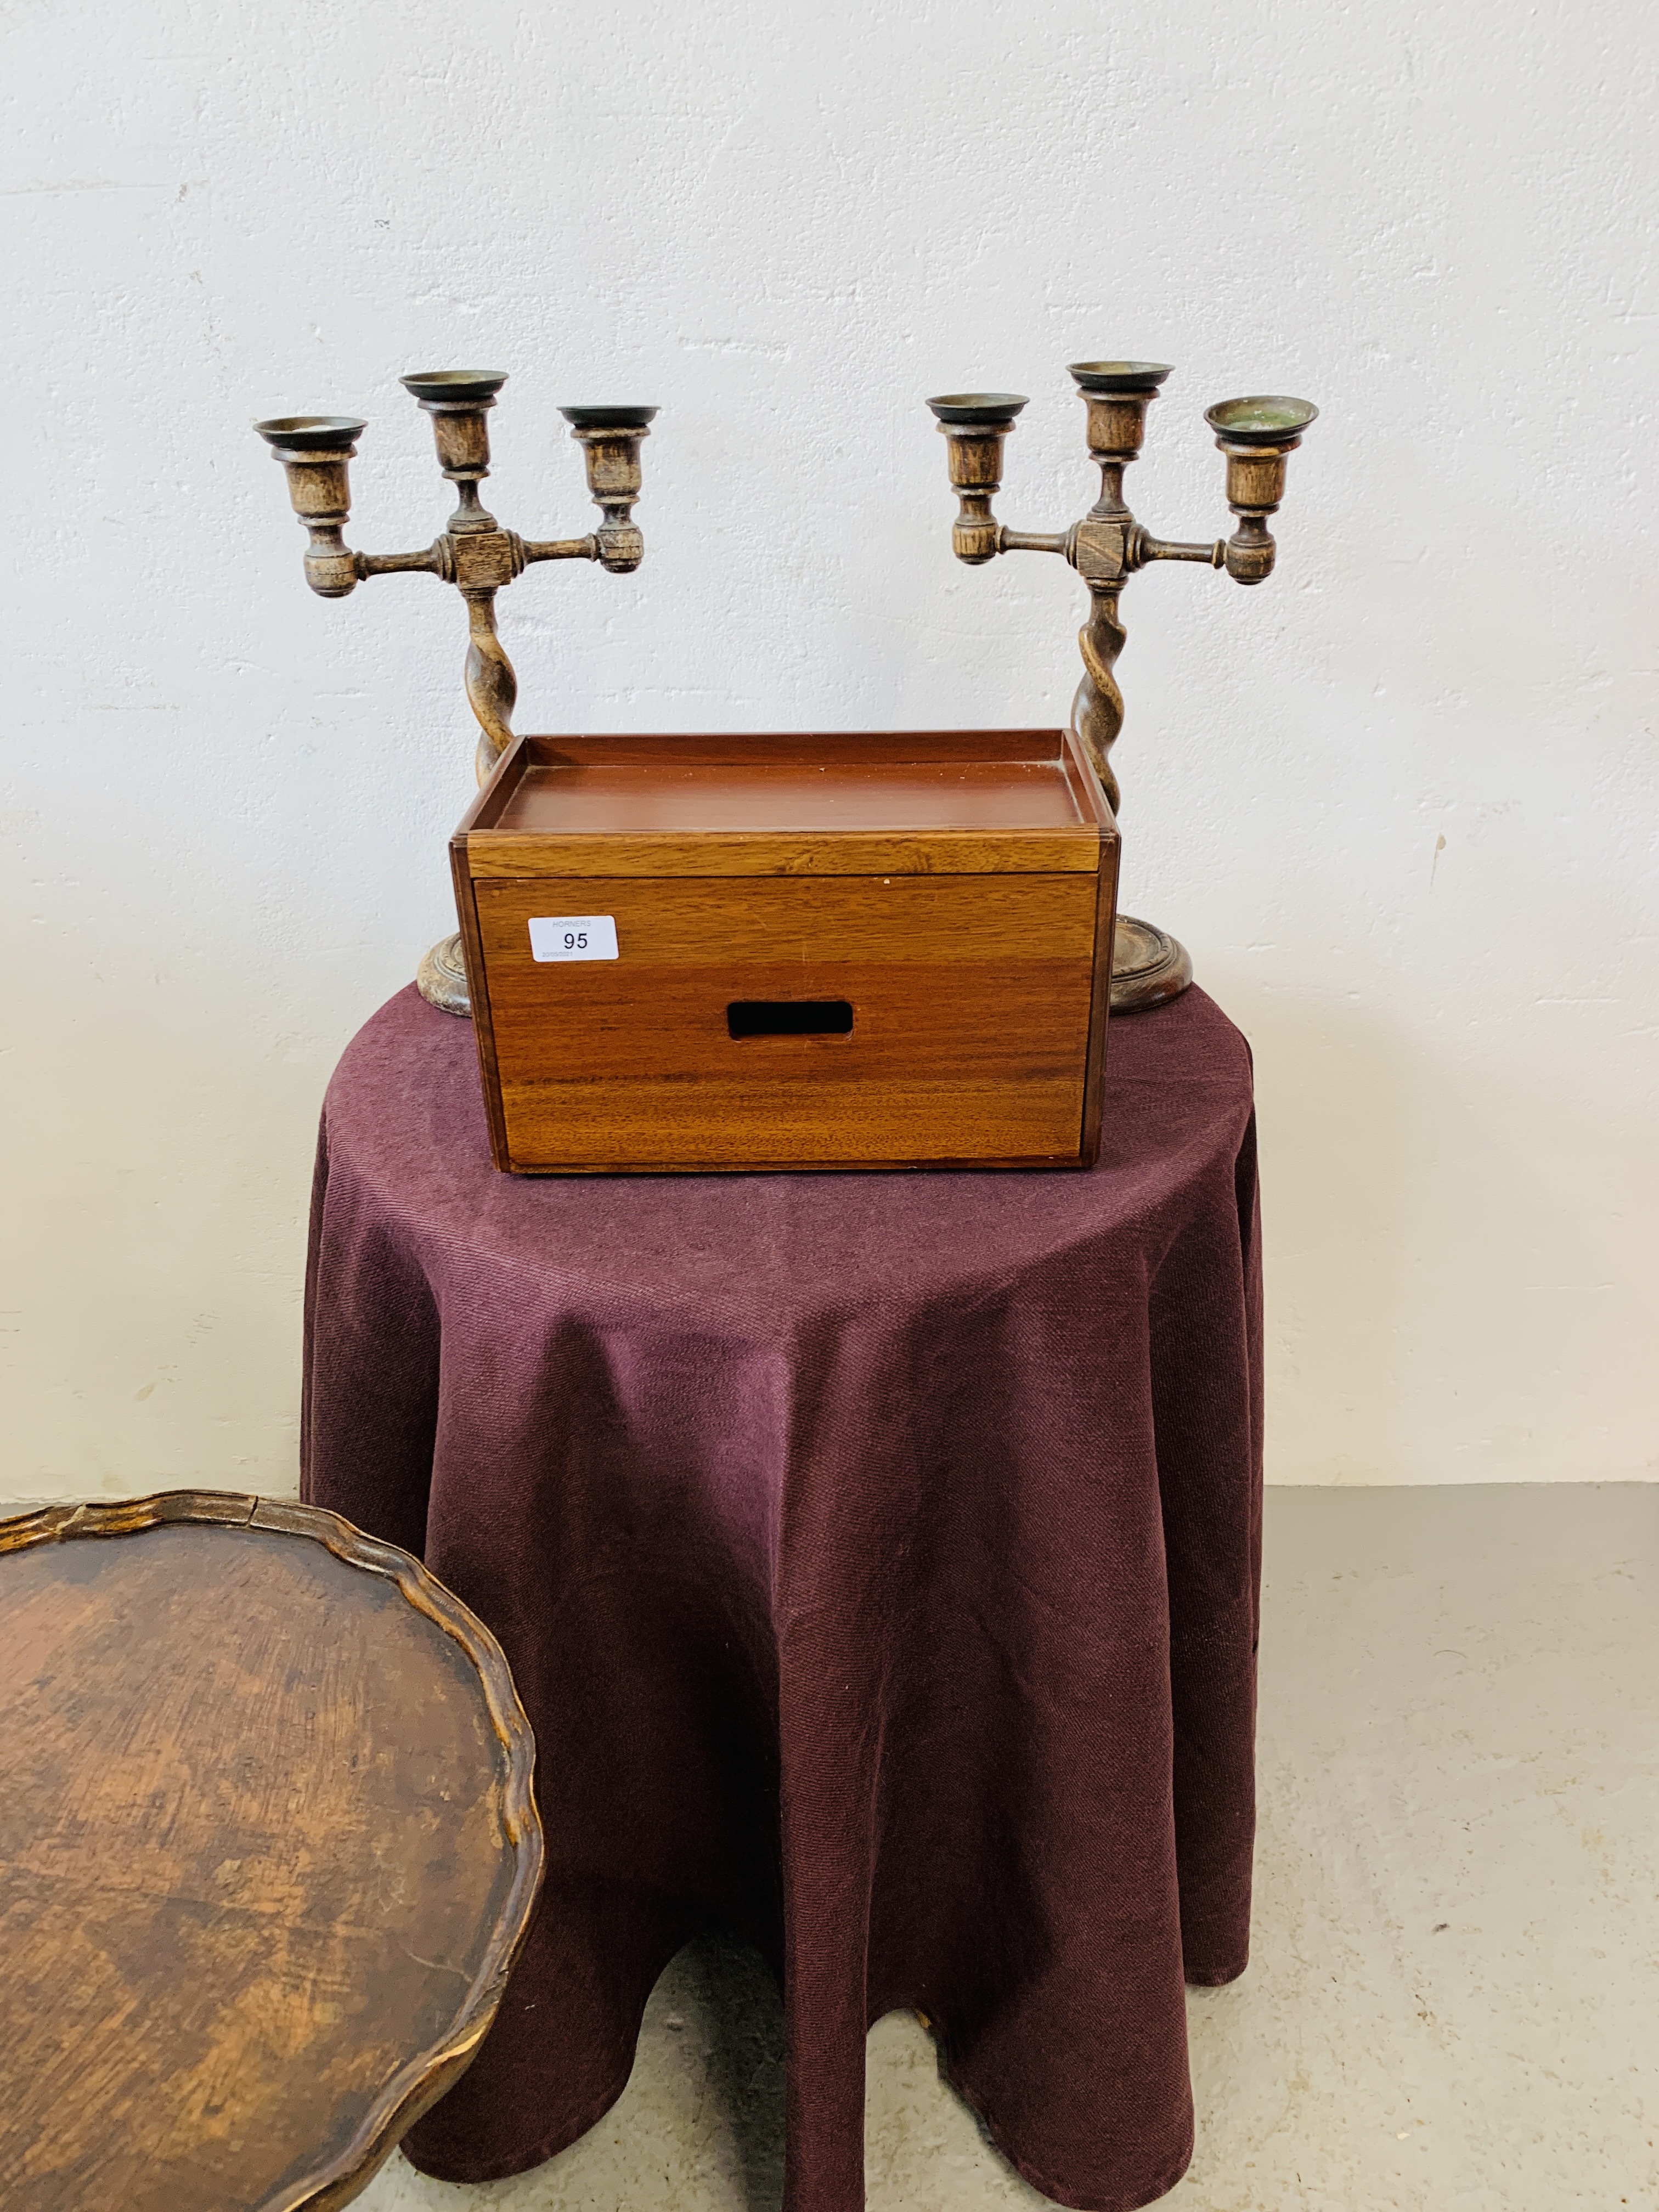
[267, 1848]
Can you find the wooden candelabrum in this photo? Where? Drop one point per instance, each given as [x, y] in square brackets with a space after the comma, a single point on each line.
[474, 553]
[1257, 436]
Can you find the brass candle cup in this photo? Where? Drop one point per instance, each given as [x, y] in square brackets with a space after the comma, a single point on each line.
[976, 423]
[454, 387]
[1257, 436]
[458, 399]
[473, 552]
[315, 452]
[297, 434]
[984, 409]
[1120, 376]
[1106, 548]
[1270, 421]
[1118, 393]
[610, 438]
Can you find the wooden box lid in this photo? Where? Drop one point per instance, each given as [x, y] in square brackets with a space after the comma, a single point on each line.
[963, 802]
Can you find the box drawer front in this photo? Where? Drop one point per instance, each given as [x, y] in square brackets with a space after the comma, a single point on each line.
[968, 996]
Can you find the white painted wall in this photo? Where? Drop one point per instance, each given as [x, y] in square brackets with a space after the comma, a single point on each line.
[1401, 802]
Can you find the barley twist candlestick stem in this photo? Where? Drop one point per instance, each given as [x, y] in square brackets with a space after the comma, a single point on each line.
[1106, 548]
[474, 553]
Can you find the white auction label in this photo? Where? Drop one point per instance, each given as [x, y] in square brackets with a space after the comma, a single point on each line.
[572, 936]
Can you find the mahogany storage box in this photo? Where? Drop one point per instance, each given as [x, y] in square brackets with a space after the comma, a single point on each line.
[867, 950]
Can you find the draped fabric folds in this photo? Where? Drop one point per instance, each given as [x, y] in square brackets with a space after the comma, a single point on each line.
[877, 1558]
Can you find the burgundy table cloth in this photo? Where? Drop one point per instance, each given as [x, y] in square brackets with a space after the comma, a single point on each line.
[877, 1558]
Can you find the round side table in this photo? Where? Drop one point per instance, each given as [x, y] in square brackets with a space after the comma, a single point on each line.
[877, 1556]
[268, 1848]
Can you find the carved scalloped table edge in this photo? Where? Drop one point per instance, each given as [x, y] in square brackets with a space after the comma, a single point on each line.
[417, 2085]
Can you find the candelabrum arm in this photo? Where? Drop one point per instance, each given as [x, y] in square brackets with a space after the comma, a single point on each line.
[1117, 547]
[428, 562]
[561, 549]
[1098, 708]
[1148, 547]
[492, 688]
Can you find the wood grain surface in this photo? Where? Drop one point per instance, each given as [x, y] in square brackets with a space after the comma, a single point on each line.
[971, 1000]
[267, 1849]
[816, 851]
[864, 803]
[955, 888]
[620, 797]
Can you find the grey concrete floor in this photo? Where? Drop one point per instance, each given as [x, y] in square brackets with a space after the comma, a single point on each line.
[1454, 2001]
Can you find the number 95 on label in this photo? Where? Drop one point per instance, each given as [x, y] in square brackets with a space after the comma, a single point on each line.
[573, 936]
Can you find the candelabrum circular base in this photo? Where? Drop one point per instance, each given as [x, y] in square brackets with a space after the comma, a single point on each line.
[1149, 966]
[441, 979]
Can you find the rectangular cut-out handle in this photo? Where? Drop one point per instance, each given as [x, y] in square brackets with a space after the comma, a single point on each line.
[753, 1017]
